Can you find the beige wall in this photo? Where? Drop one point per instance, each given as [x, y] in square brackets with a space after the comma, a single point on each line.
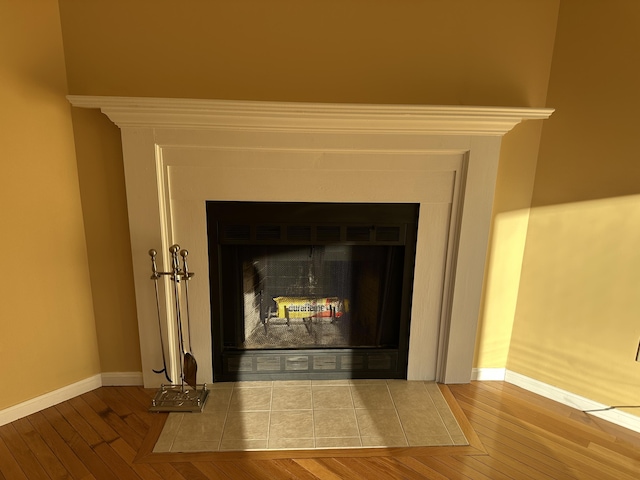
[577, 323]
[47, 330]
[358, 51]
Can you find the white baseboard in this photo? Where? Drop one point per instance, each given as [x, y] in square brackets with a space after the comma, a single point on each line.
[618, 417]
[120, 379]
[488, 374]
[50, 399]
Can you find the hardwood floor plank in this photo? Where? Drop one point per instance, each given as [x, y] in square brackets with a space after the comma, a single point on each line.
[538, 453]
[191, 472]
[22, 454]
[210, 470]
[475, 464]
[114, 422]
[76, 442]
[544, 449]
[167, 471]
[96, 421]
[294, 469]
[464, 468]
[317, 469]
[128, 454]
[79, 424]
[420, 468]
[243, 469]
[574, 454]
[36, 444]
[116, 464]
[366, 468]
[436, 464]
[9, 466]
[59, 447]
[272, 469]
[547, 420]
[393, 467]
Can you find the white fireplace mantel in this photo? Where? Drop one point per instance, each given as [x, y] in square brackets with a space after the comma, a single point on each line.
[179, 153]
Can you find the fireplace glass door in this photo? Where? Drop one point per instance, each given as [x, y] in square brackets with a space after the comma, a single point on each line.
[310, 290]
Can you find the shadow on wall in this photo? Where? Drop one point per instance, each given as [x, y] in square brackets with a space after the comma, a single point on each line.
[576, 302]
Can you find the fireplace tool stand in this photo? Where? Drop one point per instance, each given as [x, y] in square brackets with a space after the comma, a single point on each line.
[186, 396]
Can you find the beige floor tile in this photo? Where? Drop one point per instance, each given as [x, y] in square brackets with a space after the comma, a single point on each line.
[169, 432]
[292, 424]
[324, 383]
[291, 443]
[331, 396]
[422, 423]
[250, 399]
[426, 440]
[290, 383]
[256, 384]
[199, 427]
[335, 423]
[187, 445]
[384, 441]
[340, 442]
[246, 426]
[373, 423]
[291, 398]
[217, 400]
[231, 444]
[410, 395]
[367, 381]
[371, 396]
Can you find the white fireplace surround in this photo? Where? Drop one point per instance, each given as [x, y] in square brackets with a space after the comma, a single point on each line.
[179, 153]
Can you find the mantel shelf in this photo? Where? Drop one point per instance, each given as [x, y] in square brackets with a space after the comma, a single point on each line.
[128, 112]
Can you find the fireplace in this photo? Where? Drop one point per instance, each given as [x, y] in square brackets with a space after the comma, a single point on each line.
[181, 153]
[310, 290]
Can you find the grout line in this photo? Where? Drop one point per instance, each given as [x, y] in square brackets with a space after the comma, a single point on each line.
[353, 407]
[313, 418]
[226, 416]
[438, 412]
[269, 416]
[395, 409]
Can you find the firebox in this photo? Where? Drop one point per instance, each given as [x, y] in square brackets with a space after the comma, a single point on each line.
[310, 290]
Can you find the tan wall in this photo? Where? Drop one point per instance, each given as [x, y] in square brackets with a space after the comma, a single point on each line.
[47, 329]
[577, 320]
[360, 51]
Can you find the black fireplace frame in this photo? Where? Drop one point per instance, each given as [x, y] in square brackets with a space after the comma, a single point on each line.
[288, 223]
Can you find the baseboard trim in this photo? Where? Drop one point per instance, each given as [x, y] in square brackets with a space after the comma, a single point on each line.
[50, 399]
[63, 394]
[488, 374]
[618, 417]
[121, 379]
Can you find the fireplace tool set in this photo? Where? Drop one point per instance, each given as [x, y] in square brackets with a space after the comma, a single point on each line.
[186, 396]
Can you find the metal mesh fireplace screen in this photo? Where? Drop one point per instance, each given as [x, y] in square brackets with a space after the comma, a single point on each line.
[310, 290]
[319, 296]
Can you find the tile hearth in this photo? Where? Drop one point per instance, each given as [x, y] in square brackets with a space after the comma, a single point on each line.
[311, 414]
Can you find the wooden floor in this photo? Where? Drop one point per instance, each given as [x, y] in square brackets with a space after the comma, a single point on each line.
[108, 434]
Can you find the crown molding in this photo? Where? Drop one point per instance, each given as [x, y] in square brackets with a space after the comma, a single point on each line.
[146, 112]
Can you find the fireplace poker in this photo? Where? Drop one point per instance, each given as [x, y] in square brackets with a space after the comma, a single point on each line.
[155, 276]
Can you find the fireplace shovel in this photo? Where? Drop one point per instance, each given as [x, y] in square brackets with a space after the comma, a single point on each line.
[189, 366]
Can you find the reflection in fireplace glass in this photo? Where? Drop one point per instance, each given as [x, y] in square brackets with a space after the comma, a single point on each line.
[320, 296]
